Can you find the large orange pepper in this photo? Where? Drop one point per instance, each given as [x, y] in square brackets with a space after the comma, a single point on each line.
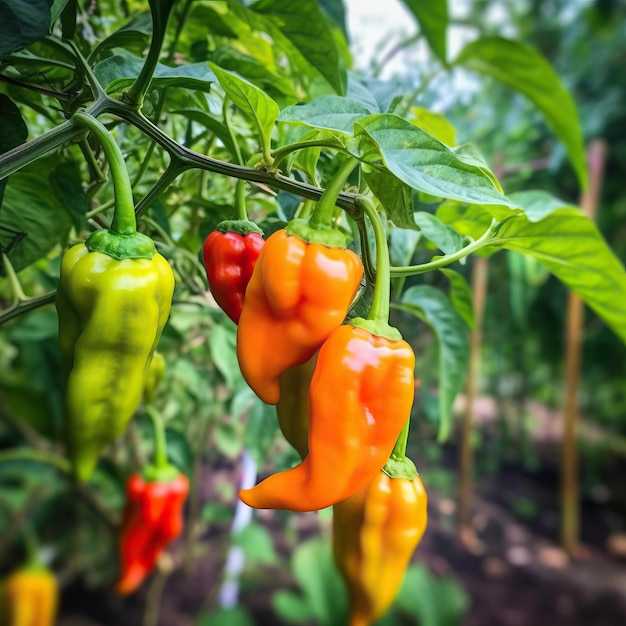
[360, 396]
[375, 532]
[298, 294]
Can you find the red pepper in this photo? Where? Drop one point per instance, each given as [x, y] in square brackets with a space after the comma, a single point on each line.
[229, 258]
[152, 519]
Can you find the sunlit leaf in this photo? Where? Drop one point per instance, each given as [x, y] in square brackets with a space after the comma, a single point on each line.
[422, 161]
[433, 20]
[522, 67]
[330, 112]
[120, 71]
[250, 100]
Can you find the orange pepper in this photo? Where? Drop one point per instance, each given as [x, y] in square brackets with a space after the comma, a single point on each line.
[375, 532]
[298, 294]
[360, 396]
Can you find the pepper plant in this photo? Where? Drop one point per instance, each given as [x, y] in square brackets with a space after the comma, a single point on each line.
[167, 133]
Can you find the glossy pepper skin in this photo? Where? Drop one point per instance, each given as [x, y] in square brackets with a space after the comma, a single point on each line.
[30, 597]
[360, 396]
[111, 314]
[153, 518]
[375, 532]
[298, 294]
[229, 259]
[292, 408]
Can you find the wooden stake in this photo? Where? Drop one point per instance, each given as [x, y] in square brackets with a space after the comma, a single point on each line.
[570, 492]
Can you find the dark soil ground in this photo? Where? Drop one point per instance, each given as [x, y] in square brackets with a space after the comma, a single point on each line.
[510, 565]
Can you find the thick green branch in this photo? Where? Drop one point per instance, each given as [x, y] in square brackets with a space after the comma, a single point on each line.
[27, 153]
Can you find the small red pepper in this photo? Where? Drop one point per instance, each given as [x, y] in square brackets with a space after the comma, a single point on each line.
[230, 254]
[152, 520]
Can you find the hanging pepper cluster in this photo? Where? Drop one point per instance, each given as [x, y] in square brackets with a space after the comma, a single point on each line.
[343, 390]
[343, 386]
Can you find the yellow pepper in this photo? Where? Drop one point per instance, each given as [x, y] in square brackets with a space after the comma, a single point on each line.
[375, 532]
[30, 598]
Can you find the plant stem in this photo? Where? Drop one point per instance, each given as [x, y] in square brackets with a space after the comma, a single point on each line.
[323, 214]
[481, 242]
[280, 153]
[31, 544]
[399, 449]
[26, 305]
[124, 221]
[160, 441]
[16, 286]
[173, 171]
[17, 158]
[380, 303]
[240, 187]
[135, 94]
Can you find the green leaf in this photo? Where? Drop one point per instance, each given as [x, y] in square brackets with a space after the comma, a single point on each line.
[13, 131]
[328, 112]
[291, 607]
[443, 236]
[230, 58]
[522, 67]
[66, 182]
[250, 100]
[210, 123]
[378, 96]
[422, 161]
[433, 20]
[395, 197]
[261, 429]
[402, 244]
[30, 207]
[134, 34]
[564, 240]
[570, 246]
[304, 31]
[434, 123]
[257, 545]
[460, 295]
[434, 601]
[432, 306]
[120, 71]
[471, 221]
[23, 22]
[319, 580]
[231, 616]
[56, 9]
[223, 347]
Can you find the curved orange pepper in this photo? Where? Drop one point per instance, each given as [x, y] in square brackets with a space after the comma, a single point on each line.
[359, 400]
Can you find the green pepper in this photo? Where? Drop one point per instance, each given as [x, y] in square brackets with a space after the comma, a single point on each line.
[113, 300]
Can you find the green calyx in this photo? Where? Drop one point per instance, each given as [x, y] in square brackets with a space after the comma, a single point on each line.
[241, 227]
[161, 474]
[120, 247]
[400, 467]
[379, 328]
[324, 235]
